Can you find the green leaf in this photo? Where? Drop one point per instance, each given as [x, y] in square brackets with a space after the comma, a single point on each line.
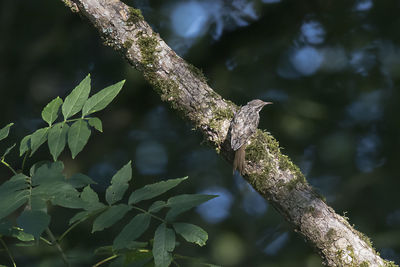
[38, 138]
[79, 180]
[5, 130]
[47, 172]
[8, 150]
[24, 237]
[13, 194]
[50, 111]
[157, 206]
[65, 195]
[38, 203]
[76, 99]
[89, 195]
[80, 216]
[182, 203]
[110, 216]
[191, 233]
[101, 99]
[133, 230]
[78, 136]
[25, 144]
[119, 184]
[96, 123]
[153, 190]
[33, 222]
[138, 258]
[164, 244]
[57, 138]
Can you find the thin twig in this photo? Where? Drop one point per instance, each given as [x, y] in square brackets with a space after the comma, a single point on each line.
[54, 241]
[8, 252]
[105, 260]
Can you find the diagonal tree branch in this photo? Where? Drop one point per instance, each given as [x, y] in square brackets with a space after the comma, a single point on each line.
[270, 172]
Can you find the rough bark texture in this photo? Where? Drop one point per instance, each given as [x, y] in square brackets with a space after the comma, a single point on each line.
[271, 173]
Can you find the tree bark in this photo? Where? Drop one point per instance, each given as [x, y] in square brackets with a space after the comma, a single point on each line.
[270, 172]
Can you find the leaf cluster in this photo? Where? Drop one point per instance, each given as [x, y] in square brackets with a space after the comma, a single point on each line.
[45, 185]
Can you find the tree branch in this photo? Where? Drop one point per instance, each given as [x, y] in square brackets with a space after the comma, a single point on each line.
[270, 172]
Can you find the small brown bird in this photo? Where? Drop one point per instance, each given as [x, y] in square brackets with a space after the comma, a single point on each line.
[243, 126]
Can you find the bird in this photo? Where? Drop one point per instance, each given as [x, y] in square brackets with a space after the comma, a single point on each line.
[243, 126]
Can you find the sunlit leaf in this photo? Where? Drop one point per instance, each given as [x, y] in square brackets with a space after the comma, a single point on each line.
[164, 244]
[119, 184]
[133, 230]
[76, 99]
[57, 138]
[182, 203]
[78, 136]
[33, 222]
[96, 123]
[38, 138]
[5, 130]
[110, 216]
[50, 111]
[153, 190]
[101, 99]
[191, 233]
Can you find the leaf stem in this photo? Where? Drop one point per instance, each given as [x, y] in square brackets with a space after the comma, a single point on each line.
[8, 252]
[105, 260]
[69, 229]
[54, 241]
[151, 214]
[8, 166]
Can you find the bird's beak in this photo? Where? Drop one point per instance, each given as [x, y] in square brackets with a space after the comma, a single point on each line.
[267, 103]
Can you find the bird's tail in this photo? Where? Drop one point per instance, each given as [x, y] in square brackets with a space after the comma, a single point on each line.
[238, 162]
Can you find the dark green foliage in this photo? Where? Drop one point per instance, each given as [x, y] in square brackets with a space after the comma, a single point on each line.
[47, 186]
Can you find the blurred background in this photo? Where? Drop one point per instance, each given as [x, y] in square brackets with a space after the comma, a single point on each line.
[332, 69]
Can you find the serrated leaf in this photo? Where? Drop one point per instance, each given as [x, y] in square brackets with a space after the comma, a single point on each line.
[76, 99]
[119, 184]
[153, 190]
[79, 180]
[25, 145]
[33, 222]
[96, 123]
[38, 138]
[50, 111]
[133, 230]
[164, 244]
[110, 216]
[5, 130]
[191, 233]
[182, 203]
[157, 206]
[78, 136]
[57, 138]
[8, 150]
[101, 99]
[13, 194]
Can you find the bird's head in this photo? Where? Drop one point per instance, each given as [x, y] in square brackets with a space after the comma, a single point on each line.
[258, 104]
